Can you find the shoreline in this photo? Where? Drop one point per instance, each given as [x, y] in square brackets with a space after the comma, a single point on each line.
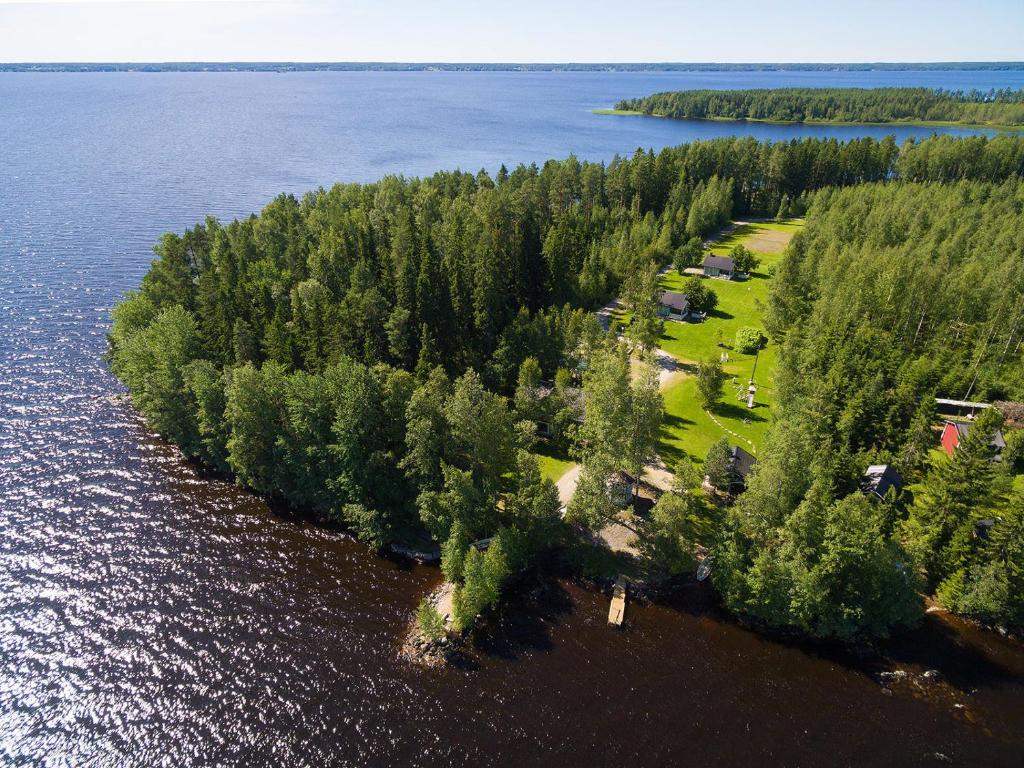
[844, 123]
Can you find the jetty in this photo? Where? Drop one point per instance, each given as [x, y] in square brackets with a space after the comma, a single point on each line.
[617, 609]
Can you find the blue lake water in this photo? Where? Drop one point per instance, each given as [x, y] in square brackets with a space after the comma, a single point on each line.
[149, 615]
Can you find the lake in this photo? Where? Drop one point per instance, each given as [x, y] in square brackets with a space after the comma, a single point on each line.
[151, 615]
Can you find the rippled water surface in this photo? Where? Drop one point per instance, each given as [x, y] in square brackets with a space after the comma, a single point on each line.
[153, 616]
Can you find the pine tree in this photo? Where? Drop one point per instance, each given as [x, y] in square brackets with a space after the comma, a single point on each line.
[718, 465]
[453, 552]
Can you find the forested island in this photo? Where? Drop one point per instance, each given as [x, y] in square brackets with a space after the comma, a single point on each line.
[396, 356]
[1003, 107]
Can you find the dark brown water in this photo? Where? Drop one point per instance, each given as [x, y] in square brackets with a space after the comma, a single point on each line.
[153, 616]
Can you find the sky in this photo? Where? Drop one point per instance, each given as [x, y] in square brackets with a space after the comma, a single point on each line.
[512, 30]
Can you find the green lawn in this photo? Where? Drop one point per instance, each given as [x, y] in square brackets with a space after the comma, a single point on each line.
[687, 428]
[552, 466]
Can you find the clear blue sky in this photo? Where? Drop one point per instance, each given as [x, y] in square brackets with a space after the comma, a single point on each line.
[511, 30]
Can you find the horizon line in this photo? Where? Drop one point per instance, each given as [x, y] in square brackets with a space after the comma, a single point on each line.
[442, 63]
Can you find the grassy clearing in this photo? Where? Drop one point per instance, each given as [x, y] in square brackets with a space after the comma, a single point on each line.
[689, 431]
[552, 465]
[687, 428]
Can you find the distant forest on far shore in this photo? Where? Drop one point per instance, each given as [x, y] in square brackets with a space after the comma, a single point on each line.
[356, 66]
[1004, 107]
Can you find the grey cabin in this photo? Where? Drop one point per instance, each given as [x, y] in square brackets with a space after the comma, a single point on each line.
[741, 464]
[719, 266]
[674, 305]
[878, 479]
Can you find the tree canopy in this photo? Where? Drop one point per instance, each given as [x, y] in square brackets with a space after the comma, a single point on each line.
[838, 105]
[892, 294]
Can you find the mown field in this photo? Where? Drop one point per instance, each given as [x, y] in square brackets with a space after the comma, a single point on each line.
[687, 428]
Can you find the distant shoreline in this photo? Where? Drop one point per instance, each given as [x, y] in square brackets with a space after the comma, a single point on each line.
[968, 66]
[912, 123]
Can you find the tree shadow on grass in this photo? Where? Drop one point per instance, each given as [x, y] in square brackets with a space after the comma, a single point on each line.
[547, 449]
[737, 412]
[671, 426]
[734, 237]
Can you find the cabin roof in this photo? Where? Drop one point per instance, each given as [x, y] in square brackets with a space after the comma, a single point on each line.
[674, 300]
[879, 478]
[963, 427]
[721, 262]
[742, 462]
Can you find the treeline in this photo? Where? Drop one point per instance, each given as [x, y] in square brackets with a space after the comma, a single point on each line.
[891, 295]
[465, 271]
[837, 105]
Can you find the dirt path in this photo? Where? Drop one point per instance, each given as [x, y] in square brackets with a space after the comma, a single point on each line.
[658, 475]
[567, 484]
[604, 314]
[670, 369]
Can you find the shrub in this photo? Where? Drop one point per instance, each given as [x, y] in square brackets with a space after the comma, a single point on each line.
[748, 340]
[429, 621]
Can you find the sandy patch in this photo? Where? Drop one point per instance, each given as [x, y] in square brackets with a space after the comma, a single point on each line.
[768, 241]
[669, 369]
[620, 535]
[658, 476]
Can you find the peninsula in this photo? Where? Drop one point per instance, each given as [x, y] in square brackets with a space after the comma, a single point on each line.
[729, 358]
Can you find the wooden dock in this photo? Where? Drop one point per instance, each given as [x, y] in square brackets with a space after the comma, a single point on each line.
[617, 610]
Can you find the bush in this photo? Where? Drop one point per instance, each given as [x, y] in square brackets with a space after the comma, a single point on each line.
[748, 340]
[429, 621]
